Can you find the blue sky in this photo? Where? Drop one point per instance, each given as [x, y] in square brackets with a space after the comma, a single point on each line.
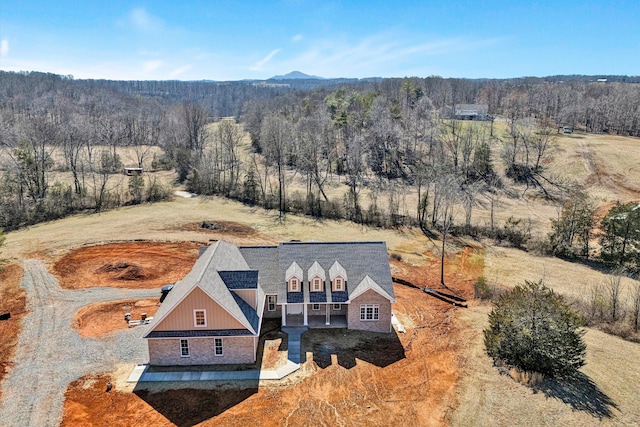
[234, 40]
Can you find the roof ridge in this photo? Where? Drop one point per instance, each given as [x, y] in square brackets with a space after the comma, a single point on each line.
[331, 243]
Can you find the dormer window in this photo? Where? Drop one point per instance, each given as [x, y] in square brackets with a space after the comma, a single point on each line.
[316, 284]
[293, 277]
[338, 276]
[294, 285]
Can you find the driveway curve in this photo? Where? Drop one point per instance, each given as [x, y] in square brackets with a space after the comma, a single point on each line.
[50, 354]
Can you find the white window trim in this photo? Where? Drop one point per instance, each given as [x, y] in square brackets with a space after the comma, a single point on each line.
[291, 282]
[316, 284]
[337, 307]
[187, 347]
[375, 312]
[270, 304]
[335, 284]
[314, 305]
[195, 321]
[215, 348]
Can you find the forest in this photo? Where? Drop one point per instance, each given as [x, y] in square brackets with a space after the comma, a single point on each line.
[396, 147]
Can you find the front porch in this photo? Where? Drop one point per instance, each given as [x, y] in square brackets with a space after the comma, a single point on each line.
[336, 321]
[315, 315]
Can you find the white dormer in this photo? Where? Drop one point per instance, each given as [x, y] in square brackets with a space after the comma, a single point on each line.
[338, 277]
[293, 276]
[316, 277]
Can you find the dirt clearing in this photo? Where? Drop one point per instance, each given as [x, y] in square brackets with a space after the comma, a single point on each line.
[131, 265]
[101, 318]
[13, 300]
[350, 377]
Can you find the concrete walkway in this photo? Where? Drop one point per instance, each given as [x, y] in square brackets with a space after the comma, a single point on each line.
[293, 348]
[140, 374]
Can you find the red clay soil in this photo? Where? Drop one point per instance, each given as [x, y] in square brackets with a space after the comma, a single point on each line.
[131, 265]
[101, 318]
[403, 379]
[13, 300]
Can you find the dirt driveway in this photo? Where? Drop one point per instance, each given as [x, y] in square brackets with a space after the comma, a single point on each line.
[51, 354]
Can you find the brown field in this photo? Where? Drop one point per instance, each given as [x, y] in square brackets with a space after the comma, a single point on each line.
[13, 300]
[101, 318]
[132, 265]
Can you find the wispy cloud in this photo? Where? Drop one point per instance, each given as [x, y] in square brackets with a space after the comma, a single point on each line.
[142, 20]
[296, 38]
[376, 52]
[149, 66]
[179, 71]
[258, 66]
[4, 47]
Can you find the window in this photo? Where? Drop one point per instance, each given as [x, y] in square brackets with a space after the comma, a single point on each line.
[271, 302]
[184, 348]
[316, 284]
[315, 307]
[217, 346]
[294, 285]
[369, 312]
[338, 284]
[337, 306]
[199, 318]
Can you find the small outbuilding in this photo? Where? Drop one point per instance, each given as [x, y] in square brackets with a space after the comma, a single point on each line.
[132, 171]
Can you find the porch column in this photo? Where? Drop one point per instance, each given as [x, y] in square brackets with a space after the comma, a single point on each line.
[284, 315]
[305, 323]
[328, 315]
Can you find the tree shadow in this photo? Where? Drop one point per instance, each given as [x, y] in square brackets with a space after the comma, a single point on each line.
[347, 345]
[580, 392]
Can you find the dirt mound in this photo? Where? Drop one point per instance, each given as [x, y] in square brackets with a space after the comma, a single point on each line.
[123, 271]
[96, 320]
[221, 227]
[139, 265]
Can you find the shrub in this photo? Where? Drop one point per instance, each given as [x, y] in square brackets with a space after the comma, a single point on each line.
[532, 328]
[482, 290]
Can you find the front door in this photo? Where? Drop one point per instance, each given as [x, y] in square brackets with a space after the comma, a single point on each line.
[294, 308]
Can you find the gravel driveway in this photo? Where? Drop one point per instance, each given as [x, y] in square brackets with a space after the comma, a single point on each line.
[50, 354]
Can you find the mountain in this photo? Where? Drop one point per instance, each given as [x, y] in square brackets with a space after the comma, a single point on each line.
[296, 75]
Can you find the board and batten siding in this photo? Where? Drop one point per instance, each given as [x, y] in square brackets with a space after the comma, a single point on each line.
[181, 318]
[248, 296]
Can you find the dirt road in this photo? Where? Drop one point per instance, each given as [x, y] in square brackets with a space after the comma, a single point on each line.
[51, 354]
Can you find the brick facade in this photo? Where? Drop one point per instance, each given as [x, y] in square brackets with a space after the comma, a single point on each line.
[166, 352]
[383, 324]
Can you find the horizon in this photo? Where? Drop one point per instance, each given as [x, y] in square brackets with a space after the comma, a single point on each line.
[257, 41]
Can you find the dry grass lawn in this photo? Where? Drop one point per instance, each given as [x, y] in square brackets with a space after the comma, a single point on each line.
[607, 396]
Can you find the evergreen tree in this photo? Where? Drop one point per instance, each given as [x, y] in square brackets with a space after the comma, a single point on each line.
[533, 328]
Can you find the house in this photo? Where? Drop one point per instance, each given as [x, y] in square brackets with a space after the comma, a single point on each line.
[471, 111]
[214, 315]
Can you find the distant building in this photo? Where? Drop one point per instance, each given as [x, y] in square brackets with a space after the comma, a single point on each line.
[471, 111]
[132, 171]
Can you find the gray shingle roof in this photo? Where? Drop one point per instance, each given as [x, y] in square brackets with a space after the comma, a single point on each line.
[240, 279]
[223, 267]
[204, 274]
